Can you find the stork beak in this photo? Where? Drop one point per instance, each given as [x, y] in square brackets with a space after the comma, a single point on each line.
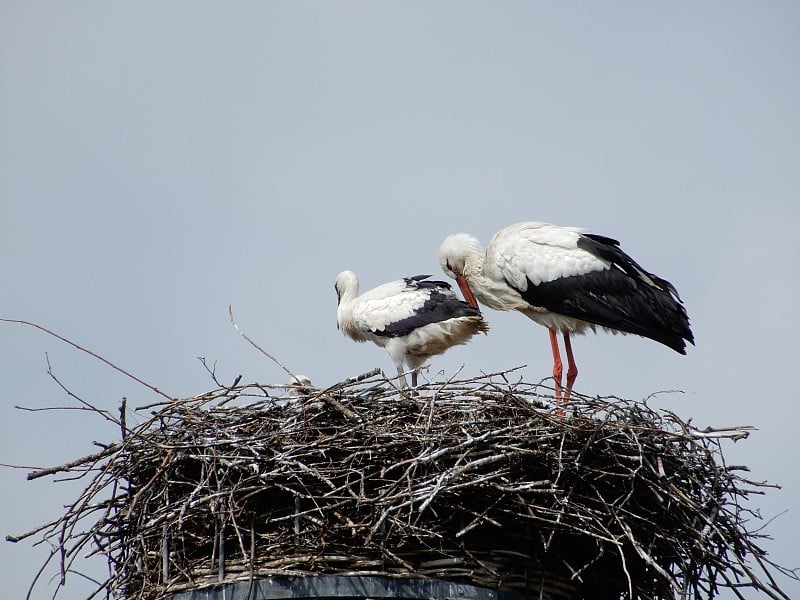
[468, 295]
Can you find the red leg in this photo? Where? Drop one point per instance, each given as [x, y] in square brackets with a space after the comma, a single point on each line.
[558, 366]
[572, 369]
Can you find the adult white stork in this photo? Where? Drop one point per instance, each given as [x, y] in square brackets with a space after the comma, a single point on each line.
[413, 318]
[568, 281]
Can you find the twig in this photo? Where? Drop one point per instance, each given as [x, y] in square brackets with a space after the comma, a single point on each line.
[91, 458]
[89, 352]
[256, 346]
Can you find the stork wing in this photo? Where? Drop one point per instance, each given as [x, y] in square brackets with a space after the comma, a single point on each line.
[397, 308]
[538, 253]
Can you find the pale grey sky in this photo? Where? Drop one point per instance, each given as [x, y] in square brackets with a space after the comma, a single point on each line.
[161, 161]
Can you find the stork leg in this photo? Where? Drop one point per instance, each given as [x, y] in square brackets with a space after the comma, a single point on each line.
[412, 391]
[558, 366]
[402, 376]
[572, 369]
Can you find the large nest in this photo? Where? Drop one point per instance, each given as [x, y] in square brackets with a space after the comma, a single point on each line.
[479, 481]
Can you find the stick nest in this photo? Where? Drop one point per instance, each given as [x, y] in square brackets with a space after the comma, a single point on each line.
[479, 481]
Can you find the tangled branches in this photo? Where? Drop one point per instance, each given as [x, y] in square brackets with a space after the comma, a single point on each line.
[477, 481]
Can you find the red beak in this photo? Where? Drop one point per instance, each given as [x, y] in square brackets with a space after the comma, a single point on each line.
[468, 295]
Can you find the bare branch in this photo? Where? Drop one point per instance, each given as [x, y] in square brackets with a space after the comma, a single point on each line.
[256, 346]
[89, 352]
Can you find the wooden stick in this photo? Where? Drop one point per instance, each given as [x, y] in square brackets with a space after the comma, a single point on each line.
[89, 352]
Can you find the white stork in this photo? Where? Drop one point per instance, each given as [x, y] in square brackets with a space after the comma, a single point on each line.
[412, 318]
[568, 281]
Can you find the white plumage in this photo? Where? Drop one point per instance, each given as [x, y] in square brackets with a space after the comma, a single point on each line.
[569, 281]
[413, 318]
[299, 385]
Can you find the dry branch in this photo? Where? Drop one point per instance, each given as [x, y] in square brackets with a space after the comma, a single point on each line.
[87, 351]
[477, 480]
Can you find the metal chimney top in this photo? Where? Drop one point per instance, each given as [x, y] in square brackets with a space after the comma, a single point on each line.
[345, 587]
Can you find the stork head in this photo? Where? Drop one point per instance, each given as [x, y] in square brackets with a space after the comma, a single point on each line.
[299, 385]
[460, 257]
[346, 290]
[299, 381]
[346, 286]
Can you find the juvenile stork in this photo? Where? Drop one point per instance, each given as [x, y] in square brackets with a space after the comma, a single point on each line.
[569, 281]
[413, 318]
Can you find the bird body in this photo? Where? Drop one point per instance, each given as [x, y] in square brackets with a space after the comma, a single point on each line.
[569, 281]
[412, 318]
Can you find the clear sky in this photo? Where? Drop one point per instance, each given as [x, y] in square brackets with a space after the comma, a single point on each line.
[161, 161]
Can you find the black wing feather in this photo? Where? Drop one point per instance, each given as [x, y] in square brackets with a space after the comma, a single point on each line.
[441, 305]
[608, 249]
[624, 297]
